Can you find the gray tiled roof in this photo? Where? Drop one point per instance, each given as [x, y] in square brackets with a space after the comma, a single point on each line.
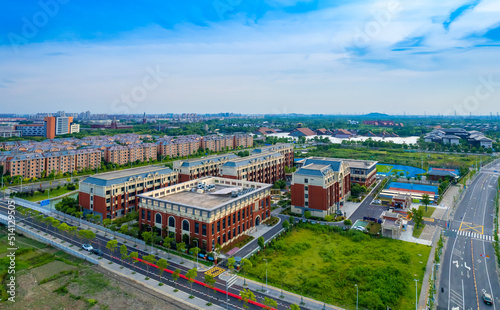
[202, 161]
[239, 162]
[118, 177]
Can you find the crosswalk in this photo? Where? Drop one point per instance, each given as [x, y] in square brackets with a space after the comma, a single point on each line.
[473, 235]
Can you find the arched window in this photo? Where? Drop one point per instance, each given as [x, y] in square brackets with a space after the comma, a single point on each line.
[185, 225]
[158, 218]
[171, 221]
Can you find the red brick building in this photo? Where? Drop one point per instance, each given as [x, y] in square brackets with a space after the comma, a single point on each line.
[212, 209]
[114, 194]
[320, 186]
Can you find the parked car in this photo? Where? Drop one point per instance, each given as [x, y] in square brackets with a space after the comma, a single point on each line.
[487, 299]
[97, 252]
[87, 247]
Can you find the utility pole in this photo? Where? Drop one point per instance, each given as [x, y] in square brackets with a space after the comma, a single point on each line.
[416, 294]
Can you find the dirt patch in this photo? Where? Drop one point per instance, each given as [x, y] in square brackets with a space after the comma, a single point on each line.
[50, 269]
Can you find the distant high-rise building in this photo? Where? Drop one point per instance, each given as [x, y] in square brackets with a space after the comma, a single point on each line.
[55, 126]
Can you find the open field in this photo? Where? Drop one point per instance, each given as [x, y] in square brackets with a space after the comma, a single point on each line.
[383, 169]
[37, 196]
[429, 212]
[51, 279]
[397, 157]
[316, 261]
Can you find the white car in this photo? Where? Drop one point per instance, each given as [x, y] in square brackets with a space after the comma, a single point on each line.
[87, 247]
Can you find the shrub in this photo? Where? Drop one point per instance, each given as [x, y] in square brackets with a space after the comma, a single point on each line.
[347, 222]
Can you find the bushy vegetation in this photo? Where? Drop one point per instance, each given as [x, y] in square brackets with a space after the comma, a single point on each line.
[325, 263]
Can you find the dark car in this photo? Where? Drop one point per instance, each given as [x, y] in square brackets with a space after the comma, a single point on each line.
[487, 299]
[97, 252]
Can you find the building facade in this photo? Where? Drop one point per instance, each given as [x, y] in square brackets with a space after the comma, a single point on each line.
[31, 130]
[320, 186]
[213, 210]
[264, 168]
[201, 167]
[114, 194]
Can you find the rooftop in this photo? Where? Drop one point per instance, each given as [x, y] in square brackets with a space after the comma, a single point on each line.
[205, 200]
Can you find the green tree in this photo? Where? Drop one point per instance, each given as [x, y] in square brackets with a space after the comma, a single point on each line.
[162, 265]
[230, 264]
[417, 216]
[79, 215]
[270, 303]
[134, 256]
[217, 250]
[261, 242]
[294, 307]
[167, 243]
[210, 281]
[175, 277]
[246, 296]
[191, 275]
[123, 252]
[246, 265]
[285, 225]
[112, 245]
[124, 229]
[307, 214]
[181, 247]
[426, 200]
[195, 251]
[147, 236]
[151, 259]
[291, 219]
[86, 235]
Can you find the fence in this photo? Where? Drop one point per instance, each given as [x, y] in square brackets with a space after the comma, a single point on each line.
[45, 210]
[55, 244]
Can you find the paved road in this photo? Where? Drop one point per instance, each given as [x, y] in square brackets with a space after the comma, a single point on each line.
[198, 291]
[367, 209]
[466, 273]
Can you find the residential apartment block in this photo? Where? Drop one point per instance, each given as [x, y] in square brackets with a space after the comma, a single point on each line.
[114, 194]
[264, 168]
[32, 165]
[212, 209]
[285, 149]
[320, 186]
[201, 167]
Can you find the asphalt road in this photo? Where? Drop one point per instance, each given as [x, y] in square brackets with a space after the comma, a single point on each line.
[198, 291]
[466, 272]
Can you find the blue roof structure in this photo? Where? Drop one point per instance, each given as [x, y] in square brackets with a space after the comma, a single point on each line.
[333, 163]
[118, 177]
[202, 161]
[247, 160]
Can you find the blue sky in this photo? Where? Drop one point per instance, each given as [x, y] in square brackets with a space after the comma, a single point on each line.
[274, 56]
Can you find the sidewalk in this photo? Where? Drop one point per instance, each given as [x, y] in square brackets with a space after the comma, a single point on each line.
[160, 253]
[166, 289]
[275, 294]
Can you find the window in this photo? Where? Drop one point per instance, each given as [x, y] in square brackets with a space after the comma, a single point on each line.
[243, 226]
[234, 218]
[218, 240]
[224, 238]
[229, 235]
[218, 226]
[307, 203]
[234, 231]
[143, 214]
[306, 196]
[239, 230]
[149, 215]
[223, 223]
[213, 229]
[306, 181]
[204, 229]
[196, 228]
[239, 216]
[158, 218]
[185, 225]
[229, 220]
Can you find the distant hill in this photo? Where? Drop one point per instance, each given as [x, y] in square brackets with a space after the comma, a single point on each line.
[376, 115]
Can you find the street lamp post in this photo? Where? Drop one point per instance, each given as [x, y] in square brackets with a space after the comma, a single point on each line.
[266, 275]
[357, 295]
[416, 294]
[196, 253]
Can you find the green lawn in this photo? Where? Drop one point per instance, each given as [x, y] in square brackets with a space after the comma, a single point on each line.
[418, 232]
[384, 169]
[429, 212]
[325, 265]
[37, 196]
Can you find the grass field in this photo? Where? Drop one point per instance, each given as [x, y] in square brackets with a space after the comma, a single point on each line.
[384, 169]
[316, 261]
[37, 196]
[418, 232]
[429, 212]
[398, 157]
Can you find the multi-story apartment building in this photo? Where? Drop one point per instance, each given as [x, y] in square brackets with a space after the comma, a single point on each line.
[262, 167]
[114, 194]
[32, 165]
[200, 167]
[242, 141]
[26, 165]
[217, 143]
[35, 130]
[117, 154]
[285, 149]
[320, 186]
[212, 209]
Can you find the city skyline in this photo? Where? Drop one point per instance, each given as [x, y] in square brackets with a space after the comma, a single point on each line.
[274, 57]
